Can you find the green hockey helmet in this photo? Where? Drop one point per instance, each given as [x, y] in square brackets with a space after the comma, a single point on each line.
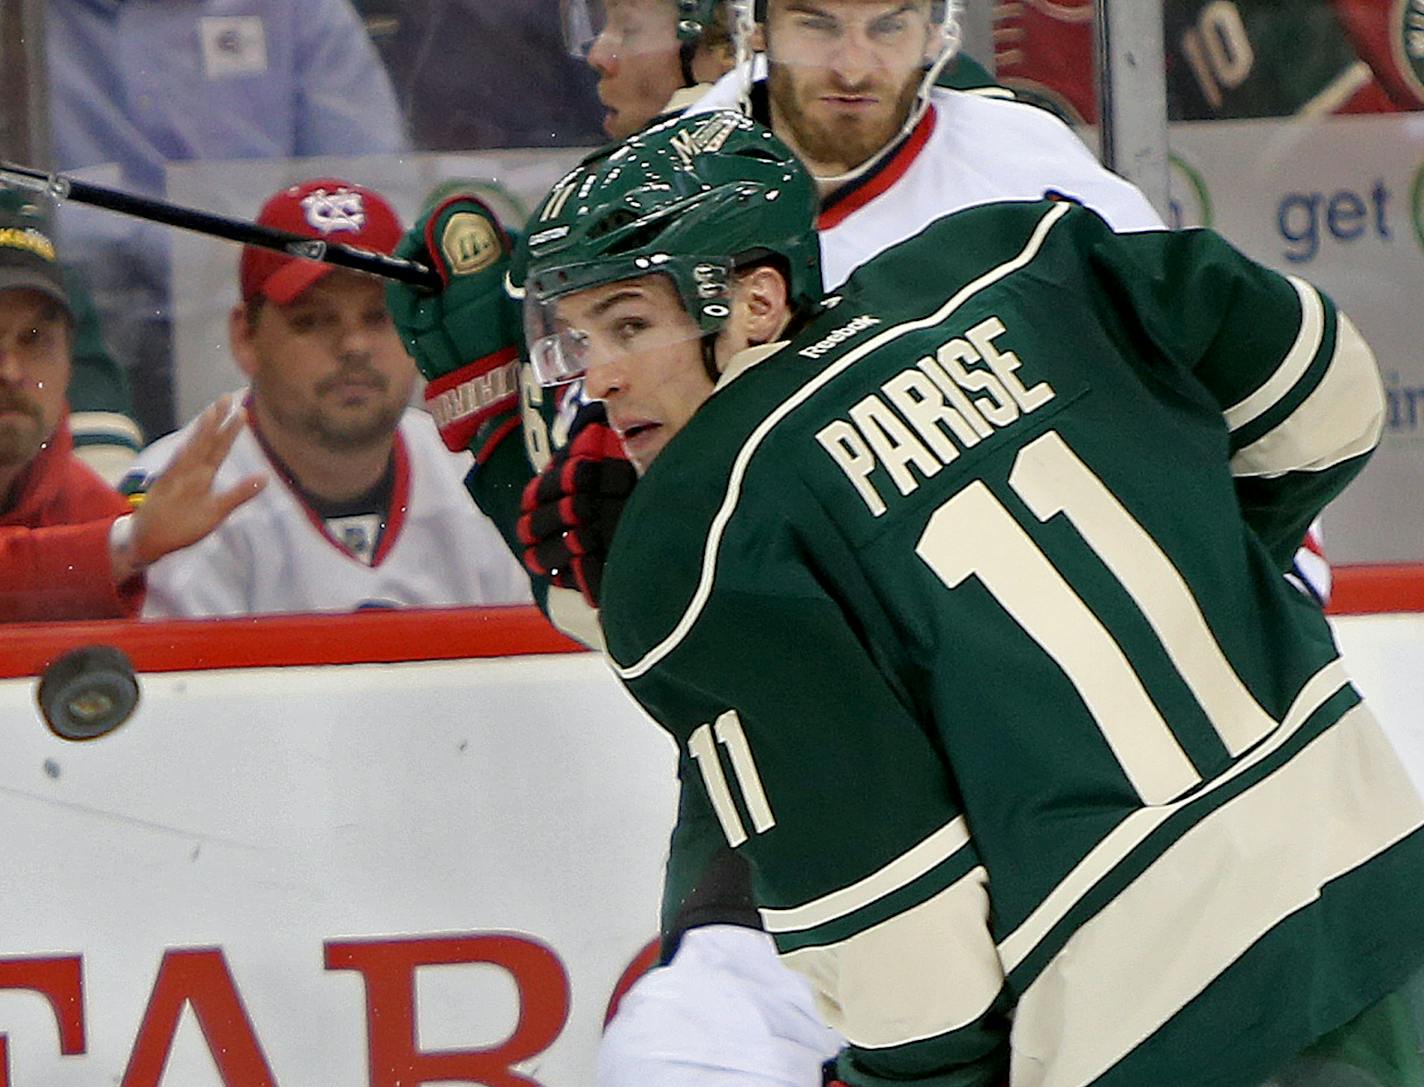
[694, 199]
[583, 21]
[695, 18]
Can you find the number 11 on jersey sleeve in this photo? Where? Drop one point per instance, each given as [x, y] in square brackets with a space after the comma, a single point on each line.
[730, 734]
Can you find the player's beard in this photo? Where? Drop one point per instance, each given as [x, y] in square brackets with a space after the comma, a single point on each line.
[845, 142]
[21, 435]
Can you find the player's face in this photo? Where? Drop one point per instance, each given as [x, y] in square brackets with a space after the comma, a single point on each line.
[329, 367]
[844, 74]
[644, 360]
[34, 372]
[636, 58]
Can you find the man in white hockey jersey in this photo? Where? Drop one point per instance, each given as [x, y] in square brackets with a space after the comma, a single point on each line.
[364, 506]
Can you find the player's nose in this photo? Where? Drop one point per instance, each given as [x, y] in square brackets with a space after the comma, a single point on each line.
[604, 379]
[853, 58]
[602, 56]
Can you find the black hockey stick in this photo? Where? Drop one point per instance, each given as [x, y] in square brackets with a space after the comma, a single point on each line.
[220, 226]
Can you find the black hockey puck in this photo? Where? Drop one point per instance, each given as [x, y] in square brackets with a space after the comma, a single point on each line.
[88, 692]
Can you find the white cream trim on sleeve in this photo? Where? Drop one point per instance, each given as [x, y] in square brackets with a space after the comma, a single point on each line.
[924, 972]
[1343, 416]
[904, 869]
[1292, 367]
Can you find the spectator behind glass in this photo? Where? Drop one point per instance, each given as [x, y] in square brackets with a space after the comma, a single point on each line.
[137, 84]
[474, 74]
[69, 548]
[367, 507]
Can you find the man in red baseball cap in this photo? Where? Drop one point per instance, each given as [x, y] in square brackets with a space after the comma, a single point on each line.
[365, 506]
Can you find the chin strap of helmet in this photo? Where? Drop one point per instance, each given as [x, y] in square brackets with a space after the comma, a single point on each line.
[686, 53]
[709, 355]
[743, 28]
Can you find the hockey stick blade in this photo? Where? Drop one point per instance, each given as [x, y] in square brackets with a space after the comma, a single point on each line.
[241, 231]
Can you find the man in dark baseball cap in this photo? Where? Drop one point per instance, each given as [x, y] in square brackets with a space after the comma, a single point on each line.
[70, 546]
[28, 258]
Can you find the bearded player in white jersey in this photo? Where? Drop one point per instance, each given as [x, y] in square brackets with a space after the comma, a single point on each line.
[851, 88]
[364, 506]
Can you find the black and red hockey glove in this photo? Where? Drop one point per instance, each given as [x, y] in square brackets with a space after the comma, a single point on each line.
[571, 509]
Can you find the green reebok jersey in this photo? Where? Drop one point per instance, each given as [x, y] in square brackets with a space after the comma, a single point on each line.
[966, 611]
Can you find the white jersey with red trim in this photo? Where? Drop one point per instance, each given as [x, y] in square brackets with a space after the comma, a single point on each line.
[275, 554]
[968, 149]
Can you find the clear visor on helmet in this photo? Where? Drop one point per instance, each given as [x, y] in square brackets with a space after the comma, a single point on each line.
[627, 26]
[583, 21]
[620, 322]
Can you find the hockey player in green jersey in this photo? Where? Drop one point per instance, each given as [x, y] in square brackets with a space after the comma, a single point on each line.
[962, 597]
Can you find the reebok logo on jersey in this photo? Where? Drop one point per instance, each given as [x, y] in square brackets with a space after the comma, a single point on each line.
[839, 336]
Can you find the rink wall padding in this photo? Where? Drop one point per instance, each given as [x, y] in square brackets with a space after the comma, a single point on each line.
[378, 849]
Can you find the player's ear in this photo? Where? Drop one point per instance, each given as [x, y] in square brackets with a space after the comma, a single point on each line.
[241, 326]
[764, 295]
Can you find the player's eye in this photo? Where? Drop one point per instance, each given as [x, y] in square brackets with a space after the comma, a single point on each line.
[816, 24]
[626, 329]
[888, 26]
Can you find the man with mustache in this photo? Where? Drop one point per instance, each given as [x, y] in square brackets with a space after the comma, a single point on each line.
[70, 546]
[365, 507]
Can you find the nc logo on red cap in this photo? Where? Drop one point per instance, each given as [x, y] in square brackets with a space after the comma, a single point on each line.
[330, 212]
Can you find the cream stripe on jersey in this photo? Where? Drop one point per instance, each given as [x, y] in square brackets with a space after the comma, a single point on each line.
[1130, 833]
[1292, 367]
[1158, 944]
[744, 455]
[922, 973]
[908, 866]
[105, 424]
[1342, 418]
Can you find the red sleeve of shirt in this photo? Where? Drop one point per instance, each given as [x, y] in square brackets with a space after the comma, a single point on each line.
[54, 563]
[62, 572]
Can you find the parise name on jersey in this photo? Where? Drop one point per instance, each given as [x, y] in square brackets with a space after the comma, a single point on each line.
[951, 399]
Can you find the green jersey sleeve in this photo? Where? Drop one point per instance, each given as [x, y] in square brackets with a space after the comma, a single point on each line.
[1295, 382]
